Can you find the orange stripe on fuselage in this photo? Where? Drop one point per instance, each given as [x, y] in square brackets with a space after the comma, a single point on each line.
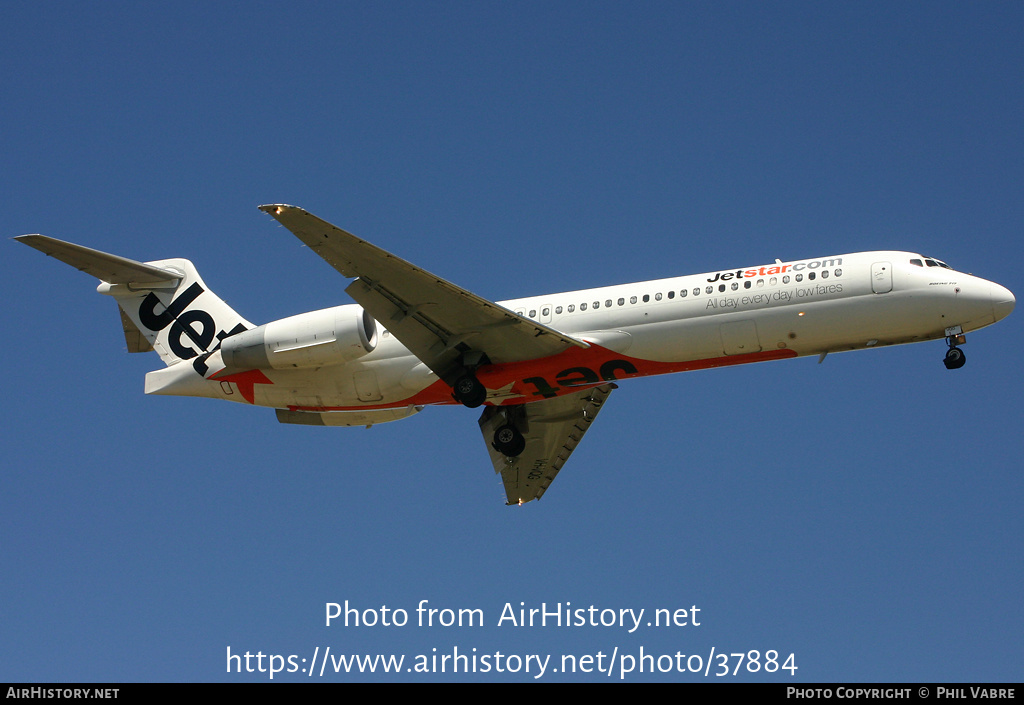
[564, 373]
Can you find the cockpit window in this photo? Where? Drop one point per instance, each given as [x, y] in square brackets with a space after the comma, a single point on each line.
[929, 261]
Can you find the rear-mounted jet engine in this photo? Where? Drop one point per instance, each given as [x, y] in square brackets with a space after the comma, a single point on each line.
[327, 337]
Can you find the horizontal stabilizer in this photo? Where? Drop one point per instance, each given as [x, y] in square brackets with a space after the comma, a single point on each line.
[104, 266]
[165, 307]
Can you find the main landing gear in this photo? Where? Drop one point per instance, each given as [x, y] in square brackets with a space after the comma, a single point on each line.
[509, 441]
[955, 357]
[506, 426]
[468, 391]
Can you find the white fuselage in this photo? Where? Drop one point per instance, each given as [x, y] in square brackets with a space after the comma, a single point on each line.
[766, 312]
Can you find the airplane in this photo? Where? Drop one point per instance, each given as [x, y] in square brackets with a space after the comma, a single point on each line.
[542, 366]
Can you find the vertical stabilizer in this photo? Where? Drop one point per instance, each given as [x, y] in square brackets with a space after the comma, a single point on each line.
[181, 319]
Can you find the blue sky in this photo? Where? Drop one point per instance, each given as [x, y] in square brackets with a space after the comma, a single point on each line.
[863, 514]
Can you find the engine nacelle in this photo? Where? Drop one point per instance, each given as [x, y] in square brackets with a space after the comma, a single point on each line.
[315, 339]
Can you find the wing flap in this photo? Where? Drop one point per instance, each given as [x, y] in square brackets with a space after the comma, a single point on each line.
[552, 428]
[367, 418]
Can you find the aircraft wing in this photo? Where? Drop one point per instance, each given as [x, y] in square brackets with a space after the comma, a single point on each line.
[435, 319]
[552, 429]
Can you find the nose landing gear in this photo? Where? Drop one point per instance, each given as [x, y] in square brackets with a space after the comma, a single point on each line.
[955, 357]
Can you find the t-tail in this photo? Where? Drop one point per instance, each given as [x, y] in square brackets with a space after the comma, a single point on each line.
[165, 306]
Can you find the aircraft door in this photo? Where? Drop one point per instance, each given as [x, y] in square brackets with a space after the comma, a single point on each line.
[881, 277]
[367, 388]
[739, 337]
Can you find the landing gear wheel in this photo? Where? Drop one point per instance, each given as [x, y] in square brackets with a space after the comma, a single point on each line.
[954, 359]
[509, 441]
[469, 392]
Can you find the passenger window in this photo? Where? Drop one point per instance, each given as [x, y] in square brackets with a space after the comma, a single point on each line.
[746, 284]
[657, 297]
[696, 290]
[583, 307]
[708, 289]
[597, 304]
[810, 276]
[721, 287]
[572, 307]
[799, 277]
[622, 302]
[785, 279]
[558, 310]
[824, 274]
[735, 286]
[682, 294]
[647, 297]
[608, 303]
[773, 281]
[632, 299]
[760, 282]
[839, 272]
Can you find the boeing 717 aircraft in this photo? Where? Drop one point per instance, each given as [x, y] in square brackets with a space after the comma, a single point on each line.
[542, 366]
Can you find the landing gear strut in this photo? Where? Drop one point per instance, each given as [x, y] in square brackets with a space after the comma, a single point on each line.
[509, 441]
[955, 358]
[468, 391]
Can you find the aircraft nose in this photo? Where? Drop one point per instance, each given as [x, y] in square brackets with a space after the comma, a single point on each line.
[1002, 301]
